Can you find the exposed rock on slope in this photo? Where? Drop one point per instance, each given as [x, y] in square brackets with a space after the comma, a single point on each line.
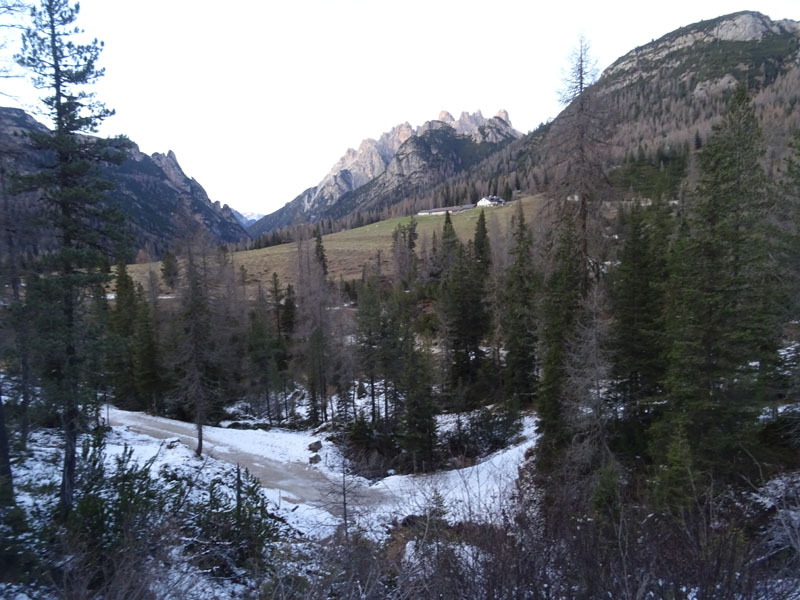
[152, 191]
[371, 175]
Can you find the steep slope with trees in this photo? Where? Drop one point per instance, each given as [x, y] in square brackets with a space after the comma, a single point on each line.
[152, 192]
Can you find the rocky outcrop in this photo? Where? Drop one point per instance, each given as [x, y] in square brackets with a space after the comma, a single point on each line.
[153, 192]
[495, 131]
[684, 48]
[358, 167]
[503, 114]
[370, 163]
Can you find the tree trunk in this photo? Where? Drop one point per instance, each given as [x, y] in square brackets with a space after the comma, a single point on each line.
[199, 423]
[6, 480]
[69, 389]
[372, 394]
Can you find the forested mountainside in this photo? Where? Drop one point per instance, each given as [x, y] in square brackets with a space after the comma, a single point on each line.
[153, 194]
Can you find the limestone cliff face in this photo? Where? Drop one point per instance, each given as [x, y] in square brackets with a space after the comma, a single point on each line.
[166, 190]
[358, 167]
[683, 50]
[393, 157]
[153, 192]
[495, 131]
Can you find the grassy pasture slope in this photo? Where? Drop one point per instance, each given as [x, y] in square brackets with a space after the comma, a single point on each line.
[347, 251]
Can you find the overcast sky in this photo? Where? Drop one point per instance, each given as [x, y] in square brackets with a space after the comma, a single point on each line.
[259, 99]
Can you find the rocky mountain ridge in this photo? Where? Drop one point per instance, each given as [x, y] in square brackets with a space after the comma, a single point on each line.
[681, 82]
[653, 109]
[152, 191]
[392, 159]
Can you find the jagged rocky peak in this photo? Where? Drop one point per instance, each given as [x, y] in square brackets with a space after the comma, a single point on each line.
[390, 141]
[468, 122]
[446, 117]
[495, 131]
[434, 126]
[503, 114]
[169, 164]
[358, 167]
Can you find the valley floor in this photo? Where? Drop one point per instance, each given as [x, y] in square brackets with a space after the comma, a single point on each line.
[310, 497]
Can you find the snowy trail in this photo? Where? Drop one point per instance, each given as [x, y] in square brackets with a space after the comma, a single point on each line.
[297, 482]
[310, 496]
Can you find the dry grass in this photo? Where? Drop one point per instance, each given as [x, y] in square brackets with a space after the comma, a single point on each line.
[348, 251]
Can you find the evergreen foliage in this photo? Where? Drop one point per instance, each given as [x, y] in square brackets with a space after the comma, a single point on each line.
[170, 270]
[418, 436]
[560, 306]
[638, 299]
[369, 327]
[519, 319]
[74, 192]
[122, 321]
[261, 354]
[194, 360]
[148, 370]
[723, 326]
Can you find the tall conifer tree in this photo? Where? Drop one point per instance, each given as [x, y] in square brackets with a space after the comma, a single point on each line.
[561, 302]
[723, 324]
[518, 319]
[74, 195]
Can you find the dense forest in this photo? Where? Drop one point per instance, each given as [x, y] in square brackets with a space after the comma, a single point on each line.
[653, 340]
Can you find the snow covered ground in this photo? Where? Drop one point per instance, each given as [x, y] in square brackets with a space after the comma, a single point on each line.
[310, 497]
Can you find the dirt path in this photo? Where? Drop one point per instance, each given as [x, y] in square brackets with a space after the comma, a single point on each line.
[298, 482]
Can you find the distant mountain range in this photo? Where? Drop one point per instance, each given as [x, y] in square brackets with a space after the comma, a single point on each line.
[246, 219]
[402, 158]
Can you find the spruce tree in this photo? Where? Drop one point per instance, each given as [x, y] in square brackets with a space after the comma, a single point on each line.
[260, 347]
[464, 317]
[147, 366]
[169, 270]
[121, 325]
[638, 303]
[319, 252]
[418, 436]
[194, 359]
[723, 325]
[449, 245]
[560, 305]
[74, 195]
[482, 248]
[519, 319]
[369, 329]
